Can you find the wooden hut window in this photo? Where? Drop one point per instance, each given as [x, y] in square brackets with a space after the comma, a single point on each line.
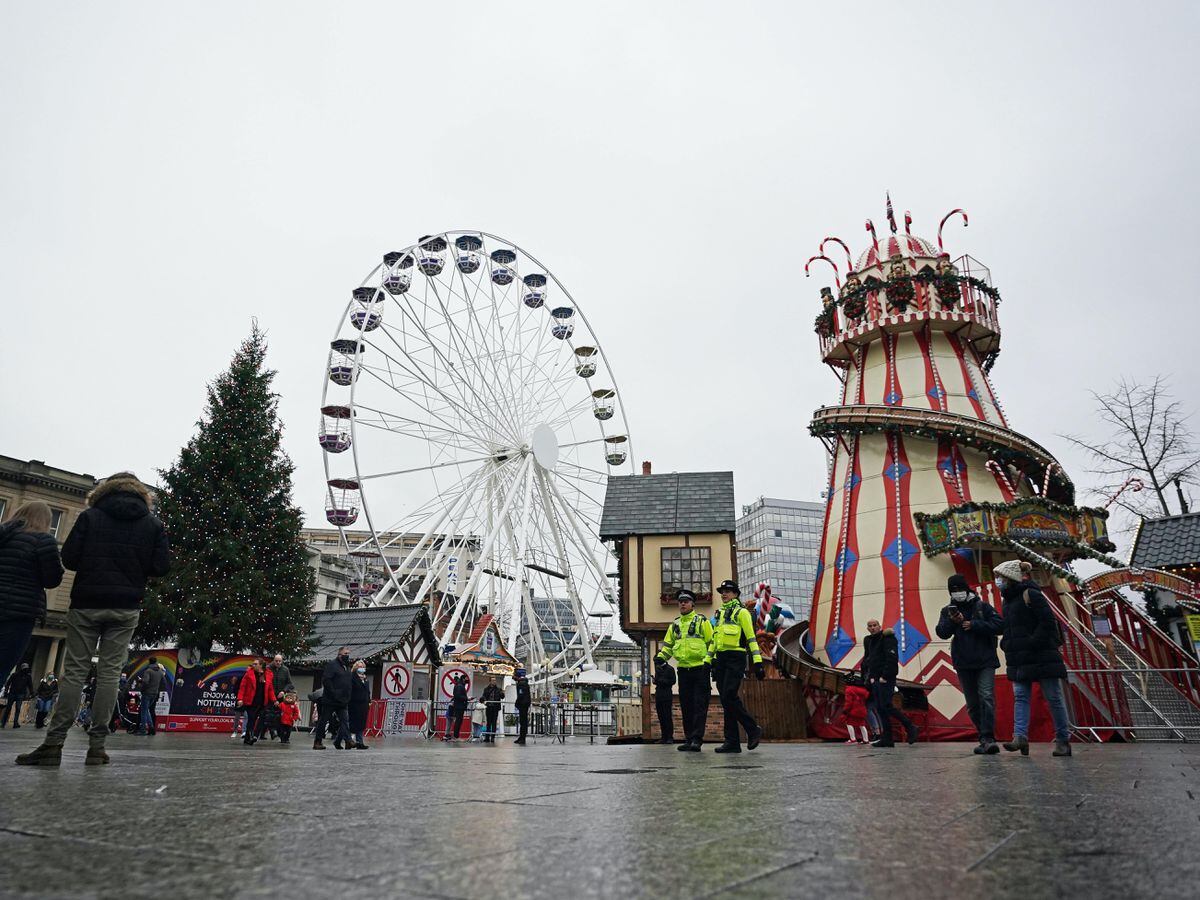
[687, 567]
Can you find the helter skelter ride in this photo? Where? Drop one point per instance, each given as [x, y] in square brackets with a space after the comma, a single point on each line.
[929, 478]
[469, 422]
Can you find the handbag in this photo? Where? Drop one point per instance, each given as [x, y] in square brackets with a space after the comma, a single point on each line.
[316, 695]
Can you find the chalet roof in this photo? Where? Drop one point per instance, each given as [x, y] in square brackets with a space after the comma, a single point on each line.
[368, 632]
[1166, 542]
[675, 503]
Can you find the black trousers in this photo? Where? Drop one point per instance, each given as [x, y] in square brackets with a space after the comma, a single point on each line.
[881, 693]
[493, 714]
[662, 706]
[254, 716]
[522, 722]
[337, 719]
[729, 668]
[695, 690]
[455, 723]
[15, 708]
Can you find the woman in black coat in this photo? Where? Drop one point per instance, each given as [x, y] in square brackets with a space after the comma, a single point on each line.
[360, 705]
[1030, 645]
[29, 563]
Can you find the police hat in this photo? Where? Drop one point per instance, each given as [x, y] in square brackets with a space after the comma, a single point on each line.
[728, 585]
[685, 594]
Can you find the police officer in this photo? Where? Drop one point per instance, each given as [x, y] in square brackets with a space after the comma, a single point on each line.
[689, 639]
[733, 637]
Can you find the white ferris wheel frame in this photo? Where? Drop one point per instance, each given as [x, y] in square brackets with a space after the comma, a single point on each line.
[500, 484]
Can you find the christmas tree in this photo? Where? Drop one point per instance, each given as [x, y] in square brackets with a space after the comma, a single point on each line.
[239, 575]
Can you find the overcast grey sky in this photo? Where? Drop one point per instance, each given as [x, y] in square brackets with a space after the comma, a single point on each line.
[168, 171]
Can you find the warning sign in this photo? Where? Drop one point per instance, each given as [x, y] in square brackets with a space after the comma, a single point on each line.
[396, 679]
[447, 684]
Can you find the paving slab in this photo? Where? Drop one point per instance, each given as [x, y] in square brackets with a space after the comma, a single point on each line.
[201, 816]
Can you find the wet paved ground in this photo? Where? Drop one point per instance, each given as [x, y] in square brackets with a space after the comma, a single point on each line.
[200, 816]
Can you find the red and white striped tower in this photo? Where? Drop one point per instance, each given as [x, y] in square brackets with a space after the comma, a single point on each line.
[918, 429]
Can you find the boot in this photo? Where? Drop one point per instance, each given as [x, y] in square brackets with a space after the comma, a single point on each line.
[1061, 748]
[753, 738]
[40, 721]
[44, 755]
[728, 748]
[912, 734]
[361, 747]
[684, 747]
[1019, 742]
[96, 757]
[318, 745]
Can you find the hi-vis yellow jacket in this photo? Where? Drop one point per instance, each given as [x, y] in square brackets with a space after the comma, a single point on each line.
[689, 640]
[735, 631]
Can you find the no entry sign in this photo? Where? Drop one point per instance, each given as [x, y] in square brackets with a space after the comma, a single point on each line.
[447, 684]
[396, 679]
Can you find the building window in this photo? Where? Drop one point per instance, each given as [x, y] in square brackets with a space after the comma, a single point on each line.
[627, 670]
[687, 567]
[778, 532]
[3, 508]
[55, 520]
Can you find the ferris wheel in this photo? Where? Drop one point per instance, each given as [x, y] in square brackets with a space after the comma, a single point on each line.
[470, 420]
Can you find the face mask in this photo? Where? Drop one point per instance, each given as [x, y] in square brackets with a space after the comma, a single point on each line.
[959, 596]
[1001, 582]
[345, 658]
[361, 671]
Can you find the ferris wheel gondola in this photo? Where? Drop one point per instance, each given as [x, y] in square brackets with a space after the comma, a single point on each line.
[459, 418]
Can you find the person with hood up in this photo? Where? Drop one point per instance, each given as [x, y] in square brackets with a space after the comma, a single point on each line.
[458, 707]
[973, 628]
[114, 547]
[29, 564]
[493, 701]
[17, 690]
[47, 693]
[1030, 644]
[882, 664]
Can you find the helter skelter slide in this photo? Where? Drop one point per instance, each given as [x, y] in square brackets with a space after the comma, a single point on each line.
[928, 478]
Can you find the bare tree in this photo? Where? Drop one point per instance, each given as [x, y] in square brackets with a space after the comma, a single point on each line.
[1150, 440]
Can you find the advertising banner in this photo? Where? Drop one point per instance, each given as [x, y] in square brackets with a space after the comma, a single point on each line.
[199, 698]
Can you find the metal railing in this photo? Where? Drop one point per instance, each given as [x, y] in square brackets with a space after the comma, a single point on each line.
[553, 720]
[1139, 717]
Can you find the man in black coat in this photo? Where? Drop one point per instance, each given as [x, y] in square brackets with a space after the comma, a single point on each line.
[458, 707]
[29, 564]
[973, 628]
[18, 689]
[493, 699]
[524, 701]
[664, 680]
[881, 665]
[114, 547]
[335, 700]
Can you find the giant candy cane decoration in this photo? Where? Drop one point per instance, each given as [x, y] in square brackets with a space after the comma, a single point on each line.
[946, 218]
[842, 244]
[998, 470]
[1135, 484]
[828, 260]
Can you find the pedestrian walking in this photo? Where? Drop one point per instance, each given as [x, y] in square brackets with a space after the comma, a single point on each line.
[29, 563]
[458, 707]
[151, 681]
[114, 547]
[689, 641]
[255, 693]
[664, 680]
[524, 701]
[733, 639]
[1031, 651]
[335, 702]
[360, 705]
[973, 628]
[17, 690]
[493, 700]
[281, 676]
[46, 694]
[882, 655]
[289, 715]
[854, 709]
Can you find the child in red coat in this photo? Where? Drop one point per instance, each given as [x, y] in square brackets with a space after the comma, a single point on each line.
[854, 709]
[289, 715]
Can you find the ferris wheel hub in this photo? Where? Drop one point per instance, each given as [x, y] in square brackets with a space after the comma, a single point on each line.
[545, 447]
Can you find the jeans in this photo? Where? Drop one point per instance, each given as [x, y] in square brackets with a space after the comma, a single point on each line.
[881, 693]
[44, 705]
[146, 713]
[979, 690]
[493, 714]
[14, 707]
[695, 689]
[1053, 693]
[14, 639]
[729, 668]
[110, 630]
